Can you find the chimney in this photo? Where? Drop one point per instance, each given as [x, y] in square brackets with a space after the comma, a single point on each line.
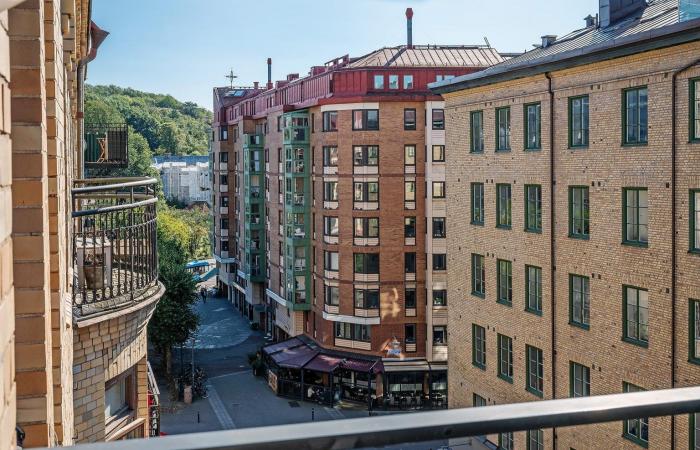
[590, 21]
[612, 11]
[255, 85]
[269, 73]
[548, 40]
[409, 28]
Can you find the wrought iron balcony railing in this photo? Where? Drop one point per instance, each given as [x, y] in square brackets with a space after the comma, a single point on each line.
[115, 255]
[106, 145]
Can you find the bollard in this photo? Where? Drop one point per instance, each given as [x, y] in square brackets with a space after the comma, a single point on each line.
[197, 416]
[313, 411]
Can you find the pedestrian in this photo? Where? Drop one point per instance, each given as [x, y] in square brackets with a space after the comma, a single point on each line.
[203, 292]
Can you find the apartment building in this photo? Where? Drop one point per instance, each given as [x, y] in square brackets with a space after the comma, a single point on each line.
[330, 207]
[185, 178]
[572, 180]
[74, 298]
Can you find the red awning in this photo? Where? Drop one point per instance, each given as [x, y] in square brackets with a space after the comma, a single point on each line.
[278, 347]
[294, 358]
[362, 365]
[323, 363]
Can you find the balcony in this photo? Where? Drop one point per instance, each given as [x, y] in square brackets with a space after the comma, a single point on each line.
[115, 256]
[106, 145]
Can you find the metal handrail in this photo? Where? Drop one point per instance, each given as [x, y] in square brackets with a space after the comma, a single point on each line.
[108, 187]
[428, 426]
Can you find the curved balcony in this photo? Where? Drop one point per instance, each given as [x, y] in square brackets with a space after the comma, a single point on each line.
[115, 256]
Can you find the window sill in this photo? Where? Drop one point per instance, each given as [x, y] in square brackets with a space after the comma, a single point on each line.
[481, 224]
[693, 360]
[635, 244]
[329, 131]
[634, 144]
[479, 366]
[579, 237]
[476, 152]
[505, 303]
[537, 149]
[409, 129]
[635, 440]
[694, 251]
[504, 227]
[503, 150]
[636, 342]
[582, 326]
[578, 147]
[533, 311]
[505, 378]
[534, 392]
[694, 140]
[478, 294]
[533, 230]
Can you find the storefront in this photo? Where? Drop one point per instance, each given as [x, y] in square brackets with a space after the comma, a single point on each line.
[415, 384]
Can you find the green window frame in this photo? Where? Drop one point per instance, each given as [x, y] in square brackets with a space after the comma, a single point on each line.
[579, 301]
[694, 431]
[478, 275]
[579, 212]
[478, 400]
[579, 132]
[535, 439]
[534, 382]
[505, 282]
[635, 216]
[477, 203]
[533, 208]
[635, 116]
[694, 331]
[506, 441]
[579, 380]
[635, 430]
[635, 315]
[503, 129]
[533, 289]
[532, 128]
[694, 109]
[694, 225]
[503, 206]
[479, 346]
[476, 127]
[505, 358]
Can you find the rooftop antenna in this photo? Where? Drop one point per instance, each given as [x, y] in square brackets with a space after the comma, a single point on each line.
[488, 44]
[231, 77]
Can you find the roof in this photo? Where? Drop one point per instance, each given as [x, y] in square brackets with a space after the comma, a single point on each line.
[429, 56]
[655, 26]
[189, 160]
[227, 96]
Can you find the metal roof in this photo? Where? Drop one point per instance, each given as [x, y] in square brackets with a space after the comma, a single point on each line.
[430, 56]
[658, 19]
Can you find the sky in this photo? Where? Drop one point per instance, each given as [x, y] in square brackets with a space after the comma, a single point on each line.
[186, 47]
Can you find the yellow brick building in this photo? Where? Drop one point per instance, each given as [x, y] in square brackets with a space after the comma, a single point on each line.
[572, 179]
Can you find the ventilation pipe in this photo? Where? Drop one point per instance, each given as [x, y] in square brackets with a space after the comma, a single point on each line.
[409, 27]
[269, 73]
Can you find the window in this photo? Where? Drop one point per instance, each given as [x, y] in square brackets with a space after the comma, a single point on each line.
[223, 157]
[224, 246]
[439, 230]
[330, 261]
[438, 153]
[438, 189]
[409, 227]
[353, 332]
[694, 203]
[438, 119]
[695, 112]
[409, 119]
[535, 440]
[330, 121]
[503, 129]
[439, 297]
[365, 155]
[408, 81]
[409, 262]
[478, 400]
[409, 332]
[330, 191]
[365, 119]
[505, 441]
[694, 336]
[578, 121]
[478, 276]
[223, 133]
[367, 298]
[636, 315]
[330, 156]
[330, 226]
[579, 380]
[439, 261]
[505, 282]
[695, 431]
[533, 208]
[579, 212]
[535, 370]
[533, 289]
[366, 263]
[634, 116]
[366, 227]
[223, 179]
[224, 223]
[366, 191]
[579, 301]
[410, 298]
[409, 155]
[479, 346]
[224, 201]
[118, 396]
[379, 81]
[635, 218]
[636, 430]
[503, 206]
[505, 358]
[409, 191]
[439, 335]
[332, 295]
[393, 81]
[477, 206]
[532, 127]
[476, 139]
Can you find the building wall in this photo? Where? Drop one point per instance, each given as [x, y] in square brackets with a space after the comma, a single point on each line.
[605, 167]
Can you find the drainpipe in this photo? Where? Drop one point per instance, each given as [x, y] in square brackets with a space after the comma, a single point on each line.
[552, 266]
[674, 243]
[80, 120]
